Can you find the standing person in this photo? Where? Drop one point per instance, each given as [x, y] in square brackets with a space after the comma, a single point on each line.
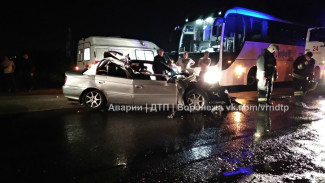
[185, 63]
[204, 64]
[158, 64]
[303, 72]
[28, 72]
[8, 73]
[266, 74]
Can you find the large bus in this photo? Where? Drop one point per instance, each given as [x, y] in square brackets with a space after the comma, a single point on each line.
[315, 42]
[236, 37]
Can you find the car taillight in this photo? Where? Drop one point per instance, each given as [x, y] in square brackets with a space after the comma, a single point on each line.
[65, 80]
[95, 62]
[76, 68]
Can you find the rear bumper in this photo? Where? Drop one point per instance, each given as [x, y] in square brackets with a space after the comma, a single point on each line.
[72, 92]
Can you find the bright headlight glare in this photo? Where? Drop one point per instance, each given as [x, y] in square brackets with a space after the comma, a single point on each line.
[209, 19]
[199, 21]
[239, 70]
[212, 76]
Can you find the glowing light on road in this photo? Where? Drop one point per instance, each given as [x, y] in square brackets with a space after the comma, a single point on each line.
[237, 117]
[200, 152]
[322, 105]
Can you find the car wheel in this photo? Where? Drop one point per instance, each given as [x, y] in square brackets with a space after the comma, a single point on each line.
[94, 99]
[196, 99]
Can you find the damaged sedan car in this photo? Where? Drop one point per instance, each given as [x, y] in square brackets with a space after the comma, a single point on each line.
[117, 80]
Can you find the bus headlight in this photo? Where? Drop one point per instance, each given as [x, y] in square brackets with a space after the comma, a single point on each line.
[239, 70]
[212, 76]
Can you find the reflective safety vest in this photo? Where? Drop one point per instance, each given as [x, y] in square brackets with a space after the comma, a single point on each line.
[262, 99]
[298, 93]
[298, 76]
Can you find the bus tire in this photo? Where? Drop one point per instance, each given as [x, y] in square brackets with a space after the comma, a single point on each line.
[251, 77]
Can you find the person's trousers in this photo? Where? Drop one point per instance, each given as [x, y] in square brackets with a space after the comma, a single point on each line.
[300, 89]
[265, 88]
[9, 81]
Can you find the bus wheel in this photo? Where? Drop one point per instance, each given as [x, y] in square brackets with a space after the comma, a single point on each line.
[251, 77]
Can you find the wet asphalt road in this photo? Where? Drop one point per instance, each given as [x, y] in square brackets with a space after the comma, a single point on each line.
[77, 145]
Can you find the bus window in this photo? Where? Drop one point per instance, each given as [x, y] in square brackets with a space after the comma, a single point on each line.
[317, 35]
[188, 43]
[257, 29]
[256, 33]
[189, 29]
[298, 36]
[207, 33]
[234, 33]
[197, 37]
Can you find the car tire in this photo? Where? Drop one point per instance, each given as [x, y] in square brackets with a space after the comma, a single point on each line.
[94, 100]
[196, 100]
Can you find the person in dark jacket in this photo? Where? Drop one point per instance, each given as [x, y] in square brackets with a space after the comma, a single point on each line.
[266, 74]
[303, 73]
[158, 64]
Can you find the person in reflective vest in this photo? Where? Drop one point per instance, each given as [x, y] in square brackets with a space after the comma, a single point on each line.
[266, 74]
[303, 74]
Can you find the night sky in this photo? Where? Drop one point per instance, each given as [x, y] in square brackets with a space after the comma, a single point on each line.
[44, 26]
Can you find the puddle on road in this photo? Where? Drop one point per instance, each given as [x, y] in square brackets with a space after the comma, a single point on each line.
[286, 147]
[236, 146]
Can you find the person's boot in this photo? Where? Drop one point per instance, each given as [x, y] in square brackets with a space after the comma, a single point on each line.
[304, 105]
[262, 103]
[299, 103]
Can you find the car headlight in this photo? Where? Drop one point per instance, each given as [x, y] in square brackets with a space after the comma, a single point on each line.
[212, 76]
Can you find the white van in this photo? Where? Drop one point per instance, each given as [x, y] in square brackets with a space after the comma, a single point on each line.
[91, 50]
[315, 42]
